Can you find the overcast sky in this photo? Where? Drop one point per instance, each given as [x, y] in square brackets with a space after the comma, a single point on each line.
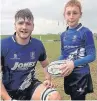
[47, 14]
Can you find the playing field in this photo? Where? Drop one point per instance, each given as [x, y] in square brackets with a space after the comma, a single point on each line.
[53, 51]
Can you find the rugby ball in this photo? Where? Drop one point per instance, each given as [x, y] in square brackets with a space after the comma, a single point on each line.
[53, 67]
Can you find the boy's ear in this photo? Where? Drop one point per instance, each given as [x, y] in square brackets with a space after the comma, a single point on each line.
[33, 26]
[15, 25]
[64, 14]
[81, 15]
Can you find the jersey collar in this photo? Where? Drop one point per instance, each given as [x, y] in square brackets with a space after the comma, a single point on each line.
[76, 28]
[13, 37]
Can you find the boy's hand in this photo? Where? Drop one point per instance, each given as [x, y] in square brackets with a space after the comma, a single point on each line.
[48, 84]
[67, 68]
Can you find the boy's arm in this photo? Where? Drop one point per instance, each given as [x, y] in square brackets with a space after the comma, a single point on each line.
[4, 93]
[90, 50]
[48, 81]
[44, 64]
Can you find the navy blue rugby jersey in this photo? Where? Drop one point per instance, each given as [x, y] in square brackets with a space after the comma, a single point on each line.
[19, 62]
[77, 44]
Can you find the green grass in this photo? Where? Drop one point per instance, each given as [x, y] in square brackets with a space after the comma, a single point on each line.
[43, 37]
[47, 37]
[53, 51]
[95, 40]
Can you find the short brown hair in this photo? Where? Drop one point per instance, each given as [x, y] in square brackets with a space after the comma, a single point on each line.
[24, 13]
[74, 3]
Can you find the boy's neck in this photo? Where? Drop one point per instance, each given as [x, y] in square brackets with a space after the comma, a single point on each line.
[73, 27]
[22, 41]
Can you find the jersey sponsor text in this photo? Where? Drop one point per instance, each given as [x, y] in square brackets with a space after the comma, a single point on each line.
[23, 66]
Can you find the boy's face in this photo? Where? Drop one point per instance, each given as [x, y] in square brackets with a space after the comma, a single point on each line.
[72, 15]
[24, 27]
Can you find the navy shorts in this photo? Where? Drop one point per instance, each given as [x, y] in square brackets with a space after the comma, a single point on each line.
[24, 94]
[77, 84]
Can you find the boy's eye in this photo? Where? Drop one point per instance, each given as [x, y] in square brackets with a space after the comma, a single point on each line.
[68, 13]
[73, 13]
[20, 23]
[28, 23]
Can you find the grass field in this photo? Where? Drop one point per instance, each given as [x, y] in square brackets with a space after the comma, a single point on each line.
[53, 51]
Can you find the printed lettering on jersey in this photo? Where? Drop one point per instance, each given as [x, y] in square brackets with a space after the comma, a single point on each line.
[15, 56]
[70, 47]
[32, 55]
[23, 66]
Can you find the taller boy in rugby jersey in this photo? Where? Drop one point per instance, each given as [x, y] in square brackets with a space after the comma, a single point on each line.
[19, 55]
[77, 47]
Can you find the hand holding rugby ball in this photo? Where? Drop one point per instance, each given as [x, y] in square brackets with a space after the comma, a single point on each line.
[53, 67]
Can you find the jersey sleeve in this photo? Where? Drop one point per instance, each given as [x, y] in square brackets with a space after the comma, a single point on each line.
[43, 55]
[2, 52]
[89, 49]
[61, 57]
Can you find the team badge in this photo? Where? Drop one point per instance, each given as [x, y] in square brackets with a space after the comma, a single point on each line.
[32, 55]
[74, 38]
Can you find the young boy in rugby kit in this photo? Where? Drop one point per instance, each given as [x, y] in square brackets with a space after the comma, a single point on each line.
[19, 56]
[77, 47]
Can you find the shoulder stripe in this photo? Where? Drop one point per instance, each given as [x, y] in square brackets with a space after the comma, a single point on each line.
[13, 39]
[79, 28]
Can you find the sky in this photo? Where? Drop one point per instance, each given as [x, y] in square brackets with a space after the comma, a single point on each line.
[48, 15]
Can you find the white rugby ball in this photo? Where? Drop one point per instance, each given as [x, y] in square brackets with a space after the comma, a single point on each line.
[53, 67]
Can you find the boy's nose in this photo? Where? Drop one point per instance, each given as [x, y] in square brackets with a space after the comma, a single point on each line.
[24, 26]
[71, 15]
